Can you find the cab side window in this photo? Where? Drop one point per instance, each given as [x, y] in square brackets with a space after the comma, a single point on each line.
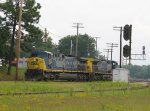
[49, 56]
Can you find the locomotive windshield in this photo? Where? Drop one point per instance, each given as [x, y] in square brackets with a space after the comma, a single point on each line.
[34, 55]
[40, 54]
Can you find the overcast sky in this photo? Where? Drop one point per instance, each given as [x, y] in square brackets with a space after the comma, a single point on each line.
[98, 18]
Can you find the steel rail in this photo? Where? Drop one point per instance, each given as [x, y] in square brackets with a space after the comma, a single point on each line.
[72, 91]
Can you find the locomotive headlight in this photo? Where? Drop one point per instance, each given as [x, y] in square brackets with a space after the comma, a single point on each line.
[35, 60]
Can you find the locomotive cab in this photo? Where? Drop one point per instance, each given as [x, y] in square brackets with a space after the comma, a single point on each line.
[35, 67]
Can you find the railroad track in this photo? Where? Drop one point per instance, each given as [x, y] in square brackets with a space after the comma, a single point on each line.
[72, 91]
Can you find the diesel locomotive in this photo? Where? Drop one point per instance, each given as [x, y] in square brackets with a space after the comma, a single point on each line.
[44, 65]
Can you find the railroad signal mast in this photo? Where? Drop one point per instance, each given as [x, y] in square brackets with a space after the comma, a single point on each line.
[143, 52]
[141, 56]
[127, 48]
[127, 32]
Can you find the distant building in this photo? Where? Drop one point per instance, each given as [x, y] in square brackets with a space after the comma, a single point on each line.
[22, 62]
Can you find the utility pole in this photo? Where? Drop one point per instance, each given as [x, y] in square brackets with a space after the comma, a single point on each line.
[107, 50]
[96, 44]
[120, 29]
[112, 45]
[71, 45]
[45, 38]
[19, 36]
[77, 25]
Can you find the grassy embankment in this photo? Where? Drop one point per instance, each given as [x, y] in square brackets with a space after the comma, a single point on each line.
[125, 100]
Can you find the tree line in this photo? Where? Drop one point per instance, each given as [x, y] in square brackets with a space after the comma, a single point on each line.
[32, 37]
[140, 72]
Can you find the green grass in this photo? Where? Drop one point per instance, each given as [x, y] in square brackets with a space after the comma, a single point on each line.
[125, 100]
[131, 101]
[5, 77]
[14, 87]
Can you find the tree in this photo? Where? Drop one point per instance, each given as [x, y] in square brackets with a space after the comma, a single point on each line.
[10, 13]
[86, 45]
[33, 40]
[4, 46]
[37, 40]
[65, 44]
[140, 72]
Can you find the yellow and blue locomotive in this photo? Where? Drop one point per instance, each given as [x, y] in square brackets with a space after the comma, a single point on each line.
[45, 65]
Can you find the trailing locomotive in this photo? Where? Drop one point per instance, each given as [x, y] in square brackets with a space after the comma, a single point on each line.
[44, 65]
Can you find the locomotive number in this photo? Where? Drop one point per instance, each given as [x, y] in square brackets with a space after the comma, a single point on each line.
[34, 63]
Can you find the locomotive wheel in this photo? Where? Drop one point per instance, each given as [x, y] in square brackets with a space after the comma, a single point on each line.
[80, 77]
[77, 79]
[56, 77]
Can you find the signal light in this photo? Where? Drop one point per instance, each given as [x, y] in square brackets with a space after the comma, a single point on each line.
[143, 50]
[126, 51]
[127, 32]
